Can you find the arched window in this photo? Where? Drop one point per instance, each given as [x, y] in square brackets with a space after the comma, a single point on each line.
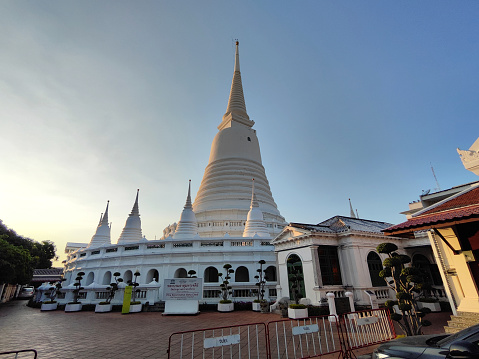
[211, 275]
[429, 270]
[242, 274]
[128, 276]
[270, 274]
[106, 278]
[181, 273]
[295, 276]
[152, 275]
[90, 278]
[375, 266]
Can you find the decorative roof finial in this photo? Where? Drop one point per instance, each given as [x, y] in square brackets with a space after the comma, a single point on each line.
[351, 214]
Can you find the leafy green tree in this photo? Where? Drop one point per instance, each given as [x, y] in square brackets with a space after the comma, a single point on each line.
[19, 256]
[406, 282]
[15, 263]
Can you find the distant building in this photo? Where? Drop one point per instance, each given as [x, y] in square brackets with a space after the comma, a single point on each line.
[46, 275]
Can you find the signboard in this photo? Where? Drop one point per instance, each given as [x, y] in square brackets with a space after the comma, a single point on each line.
[305, 329]
[183, 289]
[221, 341]
[126, 300]
[366, 320]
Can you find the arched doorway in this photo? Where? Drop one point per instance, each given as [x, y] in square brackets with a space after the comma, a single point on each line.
[106, 278]
[90, 278]
[128, 276]
[270, 274]
[430, 271]
[211, 275]
[295, 277]
[242, 274]
[181, 273]
[152, 275]
[375, 266]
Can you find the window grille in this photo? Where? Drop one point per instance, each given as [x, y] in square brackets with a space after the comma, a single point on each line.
[109, 250]
[132, 248]
[151, 246]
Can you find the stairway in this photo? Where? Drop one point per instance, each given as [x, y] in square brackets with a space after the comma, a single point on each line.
[157, 307]
[461, 321]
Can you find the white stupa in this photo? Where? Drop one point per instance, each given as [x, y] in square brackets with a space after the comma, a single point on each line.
[255, 225]
[187, 226]
[102, 234]
[132, 231]
[223, 199]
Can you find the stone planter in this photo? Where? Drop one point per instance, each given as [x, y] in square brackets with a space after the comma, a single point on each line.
[256, 307]
[297, 313]
[226, 307]
[135, 308]
[49, 306]
[435, 307]
[73, 307]
[102, 308]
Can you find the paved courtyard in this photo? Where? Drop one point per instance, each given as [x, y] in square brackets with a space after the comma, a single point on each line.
[112, 335]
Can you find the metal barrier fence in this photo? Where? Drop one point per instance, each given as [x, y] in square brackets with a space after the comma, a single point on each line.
[304, 338]
[20, 354]
[311, 337]
[238, 341]
[367, 327]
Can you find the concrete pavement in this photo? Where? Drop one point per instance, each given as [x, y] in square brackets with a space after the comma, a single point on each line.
[81, 335]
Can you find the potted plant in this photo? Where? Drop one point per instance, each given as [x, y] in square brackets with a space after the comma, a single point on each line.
[225, 304]
[260, 304]
[296, 310]
[135, 305]
[75, 305]
[51, 303]
[106, 305]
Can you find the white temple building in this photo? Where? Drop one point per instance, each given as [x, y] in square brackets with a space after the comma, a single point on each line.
[232, 220]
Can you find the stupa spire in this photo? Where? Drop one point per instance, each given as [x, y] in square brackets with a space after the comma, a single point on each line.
[132, 230]
[255, 224]
[236, 109]
[102, 234]
[351, 211]
[224, 195]
[187, 225]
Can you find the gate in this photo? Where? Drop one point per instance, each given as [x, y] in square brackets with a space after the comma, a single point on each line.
[365, 328]
[238, 341]
[304, 338]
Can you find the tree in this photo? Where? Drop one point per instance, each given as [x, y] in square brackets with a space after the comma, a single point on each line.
[226, 289]
[19, 256]
[261, 278]
[113, 287]
[15, 263]
[406, 282]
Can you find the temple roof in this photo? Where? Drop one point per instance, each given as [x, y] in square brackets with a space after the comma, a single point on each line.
[459, 208]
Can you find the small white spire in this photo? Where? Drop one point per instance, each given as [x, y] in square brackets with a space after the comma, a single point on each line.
[255, 223]
[187, 225]
[132, 230]
[351, 211]
[102, 234]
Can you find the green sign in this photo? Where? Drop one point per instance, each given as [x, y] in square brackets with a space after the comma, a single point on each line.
[126, 300]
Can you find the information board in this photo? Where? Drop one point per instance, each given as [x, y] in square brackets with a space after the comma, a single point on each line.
[183, 289]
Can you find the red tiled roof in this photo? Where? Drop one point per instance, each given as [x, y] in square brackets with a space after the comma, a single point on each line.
[461, 208]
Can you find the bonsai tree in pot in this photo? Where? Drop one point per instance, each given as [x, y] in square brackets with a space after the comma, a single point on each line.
[260, 303]
[406, 282]
[135, 305]
[75, 305]
[225, 304]
[106, 305]
[296, 310]
[51, 293]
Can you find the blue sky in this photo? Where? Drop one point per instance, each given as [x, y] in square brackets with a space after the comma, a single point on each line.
[351, 99]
